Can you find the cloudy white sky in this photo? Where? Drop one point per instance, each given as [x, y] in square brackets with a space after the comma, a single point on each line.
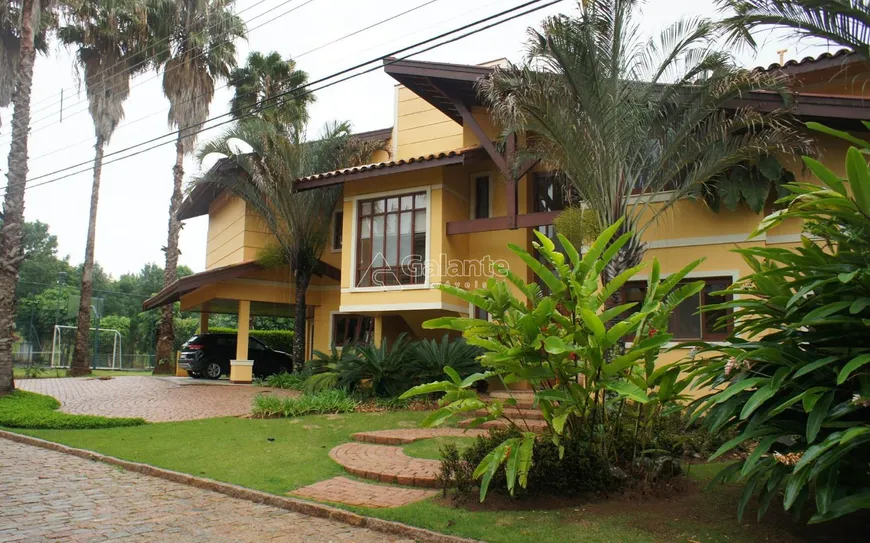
[132, 220]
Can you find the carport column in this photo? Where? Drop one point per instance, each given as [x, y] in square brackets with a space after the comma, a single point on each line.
[241, 369]
[203, 322]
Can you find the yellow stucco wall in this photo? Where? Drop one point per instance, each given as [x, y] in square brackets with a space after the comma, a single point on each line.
[421, 129]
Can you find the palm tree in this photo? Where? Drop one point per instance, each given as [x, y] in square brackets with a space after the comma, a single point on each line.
[22, 33]
[263, 178]
[629, 121]
[110, 39]
[261, 80]
[844, 22]
[200, 49]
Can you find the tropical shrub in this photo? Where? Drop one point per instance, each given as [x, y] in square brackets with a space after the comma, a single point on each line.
[429, 357]
[570, 347]
[293, 381]
[796, 376]
[324, 368]
[328, 401]
[380, 370]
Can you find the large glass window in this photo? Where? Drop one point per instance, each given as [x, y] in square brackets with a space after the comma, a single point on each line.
[349, 329]
[391, 245]
[686, 322]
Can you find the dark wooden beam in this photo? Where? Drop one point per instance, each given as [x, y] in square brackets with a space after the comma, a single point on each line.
[533, 220]
[526, 168]
[511, 185]
[471, 226]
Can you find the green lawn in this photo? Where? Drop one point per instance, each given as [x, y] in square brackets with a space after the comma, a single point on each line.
[22, 409]
[18, 373]
[239, 451]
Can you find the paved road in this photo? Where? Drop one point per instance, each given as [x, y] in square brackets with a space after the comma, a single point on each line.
[50, 496]
[156, 399]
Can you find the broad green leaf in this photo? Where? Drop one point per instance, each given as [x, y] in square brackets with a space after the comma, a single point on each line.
[844, 506]
[825, 175]
[859, 179]
[824, 311]
[555, 345]
[629, 390]
[853, 365]
[756, 454]
[621, 362]
[428, 388]
[738, 387]
[754, 402]
[453, 374]
[826, 486]
[815, 365]
[817, 416]
[819, 127]
[594, 323]
[730, 444]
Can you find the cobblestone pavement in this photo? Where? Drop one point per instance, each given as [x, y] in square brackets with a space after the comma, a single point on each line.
[386, 464]
[50, 496]
[348, 491]
[155, 399]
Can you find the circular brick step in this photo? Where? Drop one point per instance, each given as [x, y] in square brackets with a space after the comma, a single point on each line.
[531, 425]
[386, 464]
[410, 435]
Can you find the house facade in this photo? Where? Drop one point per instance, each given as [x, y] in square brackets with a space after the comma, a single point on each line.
[444, 205]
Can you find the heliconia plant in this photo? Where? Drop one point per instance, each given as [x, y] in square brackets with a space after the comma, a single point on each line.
[589, 359]
[794, 383]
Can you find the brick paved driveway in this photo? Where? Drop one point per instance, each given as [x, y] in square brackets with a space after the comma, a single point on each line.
[156, 399]
[50, 496]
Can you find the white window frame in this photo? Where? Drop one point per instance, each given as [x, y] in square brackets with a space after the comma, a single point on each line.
[398, 192]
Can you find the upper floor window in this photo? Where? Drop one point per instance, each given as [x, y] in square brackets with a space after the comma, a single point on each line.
[686, 322]
[391, 244]
[337, 224]
[481, 197]
[350, 329]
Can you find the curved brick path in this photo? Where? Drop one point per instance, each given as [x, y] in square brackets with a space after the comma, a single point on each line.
[155, 399]
[410, 435]
[386, 464]
[50, 496]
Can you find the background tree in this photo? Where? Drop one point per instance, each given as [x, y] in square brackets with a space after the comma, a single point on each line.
[21, 32]
[199, 50]
[260, 81]
[109, 38]
[626, 119]
[844, 22]
[263, 178]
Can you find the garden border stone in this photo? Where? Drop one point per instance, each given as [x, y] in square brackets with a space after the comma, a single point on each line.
[240, 492]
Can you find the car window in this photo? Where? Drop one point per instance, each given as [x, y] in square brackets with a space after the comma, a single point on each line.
[256, 345]
[225, 341]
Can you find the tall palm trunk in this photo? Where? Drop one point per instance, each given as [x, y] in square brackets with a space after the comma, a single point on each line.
[11, 251]
[80, 364]
[299, 318]
[166, 333]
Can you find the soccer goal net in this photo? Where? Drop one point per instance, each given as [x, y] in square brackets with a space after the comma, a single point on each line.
[106, 343]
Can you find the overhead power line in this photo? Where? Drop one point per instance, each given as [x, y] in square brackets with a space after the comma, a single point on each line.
[295, 92]
[230, 83]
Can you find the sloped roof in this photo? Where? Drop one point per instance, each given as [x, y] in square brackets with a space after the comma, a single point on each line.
[808, 64]
[456, 156]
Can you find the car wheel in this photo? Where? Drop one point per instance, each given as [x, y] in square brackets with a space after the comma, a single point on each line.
[213, 370]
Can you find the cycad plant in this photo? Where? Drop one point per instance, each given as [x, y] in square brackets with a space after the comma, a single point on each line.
[109, 39]
[379, 369]
[430, 357]
[844, 22]
[196, 48]
[794, 381]
[22, 32]
[561, 345]
[634, 124]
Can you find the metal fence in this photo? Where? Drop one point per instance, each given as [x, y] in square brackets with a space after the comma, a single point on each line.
[105, 361]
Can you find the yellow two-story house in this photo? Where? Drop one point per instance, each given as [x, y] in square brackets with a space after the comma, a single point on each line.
[444, 205]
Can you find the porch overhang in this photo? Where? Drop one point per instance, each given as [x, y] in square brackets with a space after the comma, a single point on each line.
[203, 289]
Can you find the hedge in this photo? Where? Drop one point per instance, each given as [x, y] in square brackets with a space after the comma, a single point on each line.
[280, 340]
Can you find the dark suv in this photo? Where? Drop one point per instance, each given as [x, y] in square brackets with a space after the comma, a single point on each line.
[209, 355]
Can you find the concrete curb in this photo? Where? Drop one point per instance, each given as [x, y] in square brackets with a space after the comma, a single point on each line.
[240, 492]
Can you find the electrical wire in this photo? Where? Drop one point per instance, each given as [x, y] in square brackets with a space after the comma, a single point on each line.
[385, 59]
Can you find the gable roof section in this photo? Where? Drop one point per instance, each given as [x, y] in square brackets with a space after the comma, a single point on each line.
[810, 64]
[458, 156]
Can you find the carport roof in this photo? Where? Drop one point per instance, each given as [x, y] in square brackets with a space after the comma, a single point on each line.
[180, 287]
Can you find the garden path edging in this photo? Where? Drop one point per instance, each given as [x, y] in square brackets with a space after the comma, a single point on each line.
[240, 492]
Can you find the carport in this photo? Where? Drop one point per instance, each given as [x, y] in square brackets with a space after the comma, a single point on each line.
[246, 289]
